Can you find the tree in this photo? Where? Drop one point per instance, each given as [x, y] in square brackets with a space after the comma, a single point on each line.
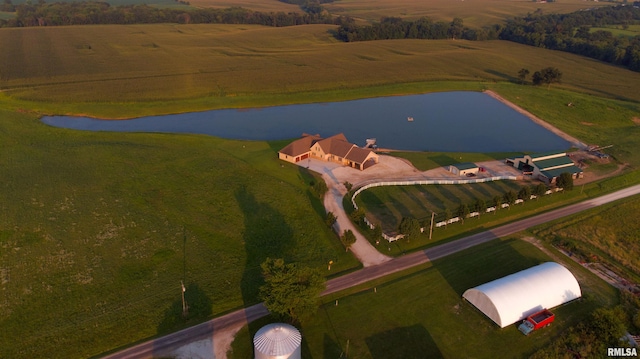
[377, 233]
[546, 76]
[456, 28]
[497, 201]
[291, 292]
[348, 239]
[565, 181]
[348, 186]
[522, 75]
[330, 219]
[319, 188]
[447, 214]
[463, 211]
[357, 216]
[524, 193]
[479, 205]
[410, 227]
[510, 197]
[540, 189]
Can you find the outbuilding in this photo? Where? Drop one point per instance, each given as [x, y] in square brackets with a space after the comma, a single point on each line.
[462, 169]
[512, 298]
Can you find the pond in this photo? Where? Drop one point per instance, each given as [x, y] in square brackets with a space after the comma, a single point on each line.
[444, 122]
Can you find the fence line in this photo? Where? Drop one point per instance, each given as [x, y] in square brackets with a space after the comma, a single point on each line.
[438, 181]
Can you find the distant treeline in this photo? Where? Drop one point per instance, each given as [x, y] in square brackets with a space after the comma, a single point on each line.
[564, 32]
[572, 33]
[309, 6]
[83, 13]
[423, 28]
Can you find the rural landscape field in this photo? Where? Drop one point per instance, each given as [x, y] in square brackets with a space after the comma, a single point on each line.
[99, 231]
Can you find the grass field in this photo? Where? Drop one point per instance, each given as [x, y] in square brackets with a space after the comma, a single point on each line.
[474, 13]
[388, 205]
[86, 68]
[618, 30]
[611, 234]
[93, 225]
[422, 314]
[98, 229]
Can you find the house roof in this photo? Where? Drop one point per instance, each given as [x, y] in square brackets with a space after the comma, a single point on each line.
[516, 296]
[563, 161]
[300, 146]
[465, 166]
[558, 171]
[336, 145]
[535, 156]
[358, 155]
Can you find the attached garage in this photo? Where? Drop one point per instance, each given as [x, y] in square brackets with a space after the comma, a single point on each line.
[516, 296]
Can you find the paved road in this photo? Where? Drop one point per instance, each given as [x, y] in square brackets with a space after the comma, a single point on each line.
[175, 340]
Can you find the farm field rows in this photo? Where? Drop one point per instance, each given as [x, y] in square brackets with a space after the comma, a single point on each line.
[98, 229]
[82, 67]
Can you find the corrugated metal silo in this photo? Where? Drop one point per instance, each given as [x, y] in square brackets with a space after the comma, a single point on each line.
[277, 341]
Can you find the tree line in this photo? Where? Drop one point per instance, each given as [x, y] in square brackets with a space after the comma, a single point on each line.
[84, 13]
[564, 32]
[572, 33]
[423, 28]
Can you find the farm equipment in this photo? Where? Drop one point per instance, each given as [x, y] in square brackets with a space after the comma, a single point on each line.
[536, 321]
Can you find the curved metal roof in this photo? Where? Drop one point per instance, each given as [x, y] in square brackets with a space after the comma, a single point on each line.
[516, 296]
[277, 340]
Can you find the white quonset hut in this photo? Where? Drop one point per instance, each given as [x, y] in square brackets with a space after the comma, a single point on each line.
[277, 341]
[516, 296]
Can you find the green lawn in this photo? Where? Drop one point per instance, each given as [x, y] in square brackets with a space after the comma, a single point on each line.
[389, 204]
[425, 161]
[422, 314]
[98, 229]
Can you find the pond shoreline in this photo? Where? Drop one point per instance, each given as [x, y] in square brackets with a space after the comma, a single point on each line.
[574, 141]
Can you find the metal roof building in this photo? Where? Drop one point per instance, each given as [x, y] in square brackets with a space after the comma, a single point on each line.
[516, 296]
[277, 341]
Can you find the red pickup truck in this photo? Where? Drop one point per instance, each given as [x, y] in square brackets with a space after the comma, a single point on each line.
[537, 320]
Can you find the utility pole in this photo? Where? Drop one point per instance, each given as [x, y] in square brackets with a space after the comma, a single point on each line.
[185, 307]
[431, 228]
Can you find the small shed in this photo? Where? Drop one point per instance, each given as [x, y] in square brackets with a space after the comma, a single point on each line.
[462, 169]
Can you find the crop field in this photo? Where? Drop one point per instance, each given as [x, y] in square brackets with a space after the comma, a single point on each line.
[422, 314]
[389, 204]
[98, 229]
[475, 13]
[82, 67]
[611, 234]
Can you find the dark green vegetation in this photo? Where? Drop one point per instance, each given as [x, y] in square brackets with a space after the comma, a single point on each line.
[422, 314]
[572, 33]
[98, 229]
[291, 292]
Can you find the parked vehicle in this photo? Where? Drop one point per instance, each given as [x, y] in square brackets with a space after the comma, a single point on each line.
[536, 321]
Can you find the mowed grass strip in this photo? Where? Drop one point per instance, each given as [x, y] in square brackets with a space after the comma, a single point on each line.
[155, 64]
[422, 314]
[389, 204]
[97, 230]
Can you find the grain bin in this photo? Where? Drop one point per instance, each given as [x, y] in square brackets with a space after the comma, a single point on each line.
[277, 341]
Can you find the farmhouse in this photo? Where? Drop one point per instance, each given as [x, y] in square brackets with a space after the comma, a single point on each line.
[332, 149]
[462, 169]
[516, 296]
[546, 167]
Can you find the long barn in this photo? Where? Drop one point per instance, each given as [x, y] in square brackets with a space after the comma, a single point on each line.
[516, 296]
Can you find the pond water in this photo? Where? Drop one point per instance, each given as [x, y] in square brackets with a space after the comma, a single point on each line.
[443, 122]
